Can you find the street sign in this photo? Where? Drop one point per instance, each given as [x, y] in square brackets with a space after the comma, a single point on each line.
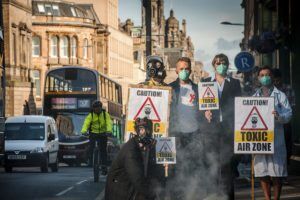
[244, 61]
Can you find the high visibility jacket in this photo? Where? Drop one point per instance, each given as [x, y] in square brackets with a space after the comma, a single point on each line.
[151, 82]
[97, 123]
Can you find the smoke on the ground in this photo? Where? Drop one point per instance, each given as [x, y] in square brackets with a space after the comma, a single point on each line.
[197, 172]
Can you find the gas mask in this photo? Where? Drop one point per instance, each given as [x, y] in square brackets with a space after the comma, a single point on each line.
[155, 68]
[143, 129]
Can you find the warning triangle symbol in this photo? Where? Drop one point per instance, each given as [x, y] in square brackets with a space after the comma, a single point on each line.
[148, 110]
[208, 94]
[165, 148]
[254, 121]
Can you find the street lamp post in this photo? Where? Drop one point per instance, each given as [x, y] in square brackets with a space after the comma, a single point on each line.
[230, 23]
[148, 10]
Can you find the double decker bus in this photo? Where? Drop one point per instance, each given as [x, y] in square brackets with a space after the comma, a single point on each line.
[68, 95]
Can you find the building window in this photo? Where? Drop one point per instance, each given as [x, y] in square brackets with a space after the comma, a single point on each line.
[64, 47]
[136, 55]
[35, 76]
[48, 9]
[153, 11]
[41, 8]
[36, 46]
[14, 50]
[73, 12]
[74, 47]
[23, 49]
[55, 9]
[85, 48]
[54, 46]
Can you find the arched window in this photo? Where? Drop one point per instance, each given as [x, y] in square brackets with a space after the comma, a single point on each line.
[74, 47]
[64, 47]
[85, 48]
[54, 46]
[36, 46]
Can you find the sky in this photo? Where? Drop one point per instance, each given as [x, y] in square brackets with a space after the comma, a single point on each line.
[203, 24]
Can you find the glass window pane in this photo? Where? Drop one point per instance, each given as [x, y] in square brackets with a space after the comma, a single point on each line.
[74, 47]
[73, 12]
[48, 9]
[55, 10]
[53, 51]
[64, 46]
[36, 46]
[41, 8]
[85, 48]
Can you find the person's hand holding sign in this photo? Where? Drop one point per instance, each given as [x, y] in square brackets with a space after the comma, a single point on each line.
[208, 115]
[275, 113]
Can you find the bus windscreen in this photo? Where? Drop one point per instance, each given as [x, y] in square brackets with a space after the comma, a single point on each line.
[71, 80]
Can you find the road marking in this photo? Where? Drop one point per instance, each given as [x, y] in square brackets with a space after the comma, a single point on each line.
[287, 196]
[65, 191]
[101, 195]
[80, 182]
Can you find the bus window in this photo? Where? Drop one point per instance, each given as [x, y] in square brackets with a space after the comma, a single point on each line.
[71, 80]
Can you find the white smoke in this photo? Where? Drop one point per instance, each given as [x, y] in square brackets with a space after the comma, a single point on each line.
[198, 170]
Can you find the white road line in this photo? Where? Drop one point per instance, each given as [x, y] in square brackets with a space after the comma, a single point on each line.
[65, 191]
[101, 195]
[80, 182]
[287, 196]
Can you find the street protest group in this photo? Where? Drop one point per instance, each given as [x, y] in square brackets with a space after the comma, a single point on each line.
[206, 164]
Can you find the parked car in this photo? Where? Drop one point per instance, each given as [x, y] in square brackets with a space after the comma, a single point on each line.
[31, 141]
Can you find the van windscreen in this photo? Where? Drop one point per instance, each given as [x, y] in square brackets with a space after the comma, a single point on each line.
[24, 131]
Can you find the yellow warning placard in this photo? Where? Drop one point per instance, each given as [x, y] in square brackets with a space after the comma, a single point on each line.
[208, 96]
[152, 102]
[165, 150]
[254, 125]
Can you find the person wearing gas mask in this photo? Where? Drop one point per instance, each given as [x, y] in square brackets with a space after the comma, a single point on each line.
[132, 173]
[219, 129]
[155, 72]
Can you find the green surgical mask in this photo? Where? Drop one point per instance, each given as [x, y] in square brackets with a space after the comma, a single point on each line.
[184, 74]
[221, 69]
[265, 80]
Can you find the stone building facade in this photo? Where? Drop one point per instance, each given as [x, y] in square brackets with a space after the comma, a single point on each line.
[65, 33]
[20, 91]
[168, 39]
[119, 44]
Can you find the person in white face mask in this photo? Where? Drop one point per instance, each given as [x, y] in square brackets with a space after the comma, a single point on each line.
[273, 167]
[184, 125]
[219, 128]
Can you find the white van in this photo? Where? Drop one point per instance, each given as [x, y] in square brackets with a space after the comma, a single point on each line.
[31, 141]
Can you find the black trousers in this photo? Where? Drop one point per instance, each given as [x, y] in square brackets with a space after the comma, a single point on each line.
[102, 142]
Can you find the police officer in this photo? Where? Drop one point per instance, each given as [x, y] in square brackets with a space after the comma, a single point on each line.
[128, 176]
[156, 72]
[98, 123]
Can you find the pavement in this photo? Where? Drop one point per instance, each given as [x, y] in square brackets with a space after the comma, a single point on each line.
[290, 190]
[76, 183]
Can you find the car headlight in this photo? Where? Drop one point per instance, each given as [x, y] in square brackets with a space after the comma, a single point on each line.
[37, 150]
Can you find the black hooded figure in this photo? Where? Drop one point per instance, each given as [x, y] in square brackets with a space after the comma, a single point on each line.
[132, 173]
